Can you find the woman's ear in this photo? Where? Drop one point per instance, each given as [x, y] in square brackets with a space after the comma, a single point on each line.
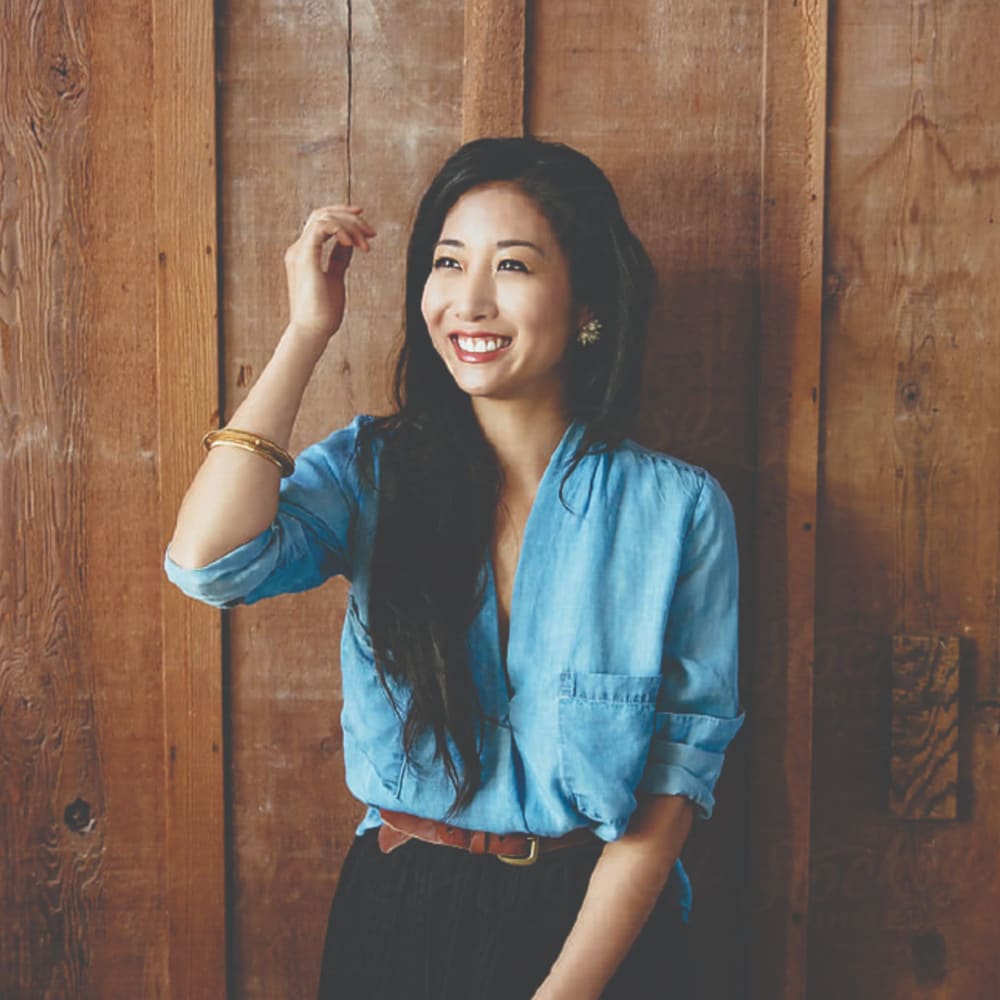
[584, 315]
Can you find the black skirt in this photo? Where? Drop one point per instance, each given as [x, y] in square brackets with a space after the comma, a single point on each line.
[432, 922]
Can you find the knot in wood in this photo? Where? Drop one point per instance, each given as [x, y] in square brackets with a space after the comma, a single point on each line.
[78, 818]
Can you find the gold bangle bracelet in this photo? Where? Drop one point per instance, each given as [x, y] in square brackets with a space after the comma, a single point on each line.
[251, 442]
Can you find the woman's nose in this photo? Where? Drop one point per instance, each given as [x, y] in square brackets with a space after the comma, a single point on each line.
[474, 299]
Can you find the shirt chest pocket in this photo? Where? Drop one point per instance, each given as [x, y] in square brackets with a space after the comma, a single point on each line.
[605, 726]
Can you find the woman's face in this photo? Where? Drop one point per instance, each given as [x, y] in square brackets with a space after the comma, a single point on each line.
[498, 302]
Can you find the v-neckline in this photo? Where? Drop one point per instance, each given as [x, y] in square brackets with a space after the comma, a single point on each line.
[503, 650]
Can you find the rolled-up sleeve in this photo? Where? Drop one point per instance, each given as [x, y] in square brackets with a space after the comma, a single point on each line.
[698, 710]
[310, 539]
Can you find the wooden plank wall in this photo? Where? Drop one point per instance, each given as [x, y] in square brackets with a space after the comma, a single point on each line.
[710, 123]
[56, 457]
[187, 380]
[787, 418]
[909, 506]
[360, 102]
[89, 893]
[494, 50]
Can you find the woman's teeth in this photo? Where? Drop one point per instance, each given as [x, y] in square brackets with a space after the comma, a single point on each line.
[482, 345]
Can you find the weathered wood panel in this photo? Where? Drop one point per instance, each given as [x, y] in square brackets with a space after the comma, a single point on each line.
[52, 810]
[284, 115]
[371, 128]
[493, 75]
[82, 895]
[187, 344]
[123, 548]
[666, 98]
[910, 507]
[788, 367]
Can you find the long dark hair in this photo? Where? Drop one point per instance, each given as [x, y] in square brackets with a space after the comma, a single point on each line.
[439, 481]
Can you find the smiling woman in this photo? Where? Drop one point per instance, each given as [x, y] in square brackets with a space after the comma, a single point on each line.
[539, 659]
[499, 298]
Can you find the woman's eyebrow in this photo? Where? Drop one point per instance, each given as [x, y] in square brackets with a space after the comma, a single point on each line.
[501, 244]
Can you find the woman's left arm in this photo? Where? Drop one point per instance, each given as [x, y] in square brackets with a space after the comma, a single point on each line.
[624, 886]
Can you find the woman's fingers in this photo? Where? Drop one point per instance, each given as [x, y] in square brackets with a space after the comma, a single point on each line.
[315, 265]
[344, 222]
[345, 234]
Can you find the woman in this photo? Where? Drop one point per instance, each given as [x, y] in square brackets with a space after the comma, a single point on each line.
[539, 655]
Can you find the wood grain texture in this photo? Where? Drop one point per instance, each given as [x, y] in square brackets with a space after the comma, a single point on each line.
[910, 540]
[387, 113]
[123, 549]
[52, 795]
[666, 98]
[494, 64]
[187, 344]
[82, 907]
[923, 769]
[284, 143]
[788, 366]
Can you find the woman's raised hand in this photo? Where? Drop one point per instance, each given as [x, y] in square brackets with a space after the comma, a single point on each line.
[315, 295]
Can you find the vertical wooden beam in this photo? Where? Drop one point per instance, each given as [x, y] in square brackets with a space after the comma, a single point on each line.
[121, 554]
[910, 508]
[53, 823]
[187, 372]
[493, 81]
[791, 274]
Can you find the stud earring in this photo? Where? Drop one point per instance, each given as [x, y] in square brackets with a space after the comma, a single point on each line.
[589, 333]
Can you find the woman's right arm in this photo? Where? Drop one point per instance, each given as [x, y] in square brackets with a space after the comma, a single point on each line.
[234, 495]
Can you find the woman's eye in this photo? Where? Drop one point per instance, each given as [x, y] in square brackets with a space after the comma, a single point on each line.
[445, 262]
[512, 264]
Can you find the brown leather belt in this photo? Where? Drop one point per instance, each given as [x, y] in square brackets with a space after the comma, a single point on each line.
[511, 848]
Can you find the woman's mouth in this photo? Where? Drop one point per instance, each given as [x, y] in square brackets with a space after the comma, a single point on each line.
[479, 348]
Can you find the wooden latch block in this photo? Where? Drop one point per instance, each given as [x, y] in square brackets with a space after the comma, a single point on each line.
[923, 776]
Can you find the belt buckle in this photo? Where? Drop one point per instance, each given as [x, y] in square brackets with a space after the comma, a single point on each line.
[525, 859]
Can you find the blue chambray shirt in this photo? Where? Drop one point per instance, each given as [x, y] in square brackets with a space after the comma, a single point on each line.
[622, 648]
